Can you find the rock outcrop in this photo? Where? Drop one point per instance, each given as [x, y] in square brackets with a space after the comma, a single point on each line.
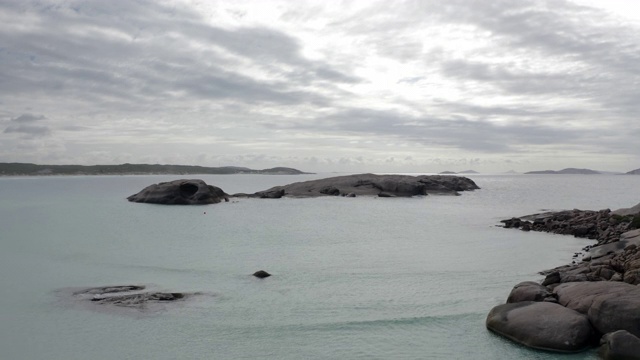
[180, 192]
[371, 184]
[123, 299]
[602, 286]
[606, 226]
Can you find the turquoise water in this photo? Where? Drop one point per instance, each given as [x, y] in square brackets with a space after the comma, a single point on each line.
[363, 278]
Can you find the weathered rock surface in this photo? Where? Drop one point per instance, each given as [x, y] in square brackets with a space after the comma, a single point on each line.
[180, 192]
[530, 291]
[617, 261]
[627, 211]
[371, 184]
[125, 295]
[542, 325]
[610, 306]
[619, 345]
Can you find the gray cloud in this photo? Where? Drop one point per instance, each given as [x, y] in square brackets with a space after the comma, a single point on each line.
[462, 78]
[28, 125]
[134, 53]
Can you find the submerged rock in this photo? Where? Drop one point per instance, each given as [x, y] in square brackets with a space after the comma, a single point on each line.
[180, 192]
[371, 184]
[130, 298]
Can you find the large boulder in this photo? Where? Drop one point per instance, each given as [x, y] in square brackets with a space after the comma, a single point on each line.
[610, 305]
[371, 184]
[542, 325]
[619, 345]
[180, 192]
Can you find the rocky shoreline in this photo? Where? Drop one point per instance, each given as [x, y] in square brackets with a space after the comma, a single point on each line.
[594, 300]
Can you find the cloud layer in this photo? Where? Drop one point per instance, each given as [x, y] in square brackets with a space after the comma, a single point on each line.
[325, 86]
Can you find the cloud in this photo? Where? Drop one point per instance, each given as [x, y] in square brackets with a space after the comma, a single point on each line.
[28, 125]
[365, 80]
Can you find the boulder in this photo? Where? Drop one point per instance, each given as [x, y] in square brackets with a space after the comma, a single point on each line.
[261, 274]
[619, 345]
[609, 305]
[530, 291]
[542, 325]
[180, 192]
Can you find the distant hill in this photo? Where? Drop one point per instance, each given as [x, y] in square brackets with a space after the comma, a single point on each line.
[461, 172]
[26, 169]
[571, 171]
[634, 172]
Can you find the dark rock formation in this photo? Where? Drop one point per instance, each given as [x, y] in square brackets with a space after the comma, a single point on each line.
[370, 184]
[180, 192]
[261, 274]
[602, 286]
[542, 325]
[619, 345]
[603, 225]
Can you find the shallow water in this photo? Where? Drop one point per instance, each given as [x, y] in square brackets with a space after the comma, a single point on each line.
[354, 278]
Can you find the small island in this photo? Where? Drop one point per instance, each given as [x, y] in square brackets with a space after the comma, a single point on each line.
[567, 171]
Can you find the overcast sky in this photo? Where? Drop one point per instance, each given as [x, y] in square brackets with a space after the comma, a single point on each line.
[393, 86]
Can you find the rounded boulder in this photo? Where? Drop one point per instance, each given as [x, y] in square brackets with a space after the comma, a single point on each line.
[542, 325]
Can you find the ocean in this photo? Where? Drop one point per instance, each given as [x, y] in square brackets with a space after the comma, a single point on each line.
[353, 278]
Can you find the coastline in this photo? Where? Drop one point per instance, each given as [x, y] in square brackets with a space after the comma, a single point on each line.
[595, 300]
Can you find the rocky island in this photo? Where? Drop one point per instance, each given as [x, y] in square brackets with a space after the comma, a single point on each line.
[372, 185]
[197, 192]
[594, 300]
[180, 192]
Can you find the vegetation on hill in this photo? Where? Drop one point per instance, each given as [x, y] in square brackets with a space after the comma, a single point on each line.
[27, 169]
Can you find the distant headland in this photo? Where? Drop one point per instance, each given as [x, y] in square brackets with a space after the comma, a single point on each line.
[575, 171]
[27, 169]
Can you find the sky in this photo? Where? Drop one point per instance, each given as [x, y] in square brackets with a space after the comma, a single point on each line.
[323, 86]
